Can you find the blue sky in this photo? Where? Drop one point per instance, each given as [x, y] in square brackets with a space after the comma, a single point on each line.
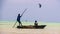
[49, 12]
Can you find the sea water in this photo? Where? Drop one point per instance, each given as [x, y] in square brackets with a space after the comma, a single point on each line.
[10, 24]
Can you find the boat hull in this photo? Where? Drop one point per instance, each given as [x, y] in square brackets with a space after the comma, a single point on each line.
[32, 27]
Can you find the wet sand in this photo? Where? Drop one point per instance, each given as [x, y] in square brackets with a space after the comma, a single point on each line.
[49, 30]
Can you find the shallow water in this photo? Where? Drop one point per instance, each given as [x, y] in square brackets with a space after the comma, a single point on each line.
[9, 24]
[51, 28]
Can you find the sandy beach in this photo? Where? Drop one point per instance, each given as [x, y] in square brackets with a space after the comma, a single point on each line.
[49, 29]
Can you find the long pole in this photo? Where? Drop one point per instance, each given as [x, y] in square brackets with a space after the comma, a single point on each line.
[23, 12]
[14, 24]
